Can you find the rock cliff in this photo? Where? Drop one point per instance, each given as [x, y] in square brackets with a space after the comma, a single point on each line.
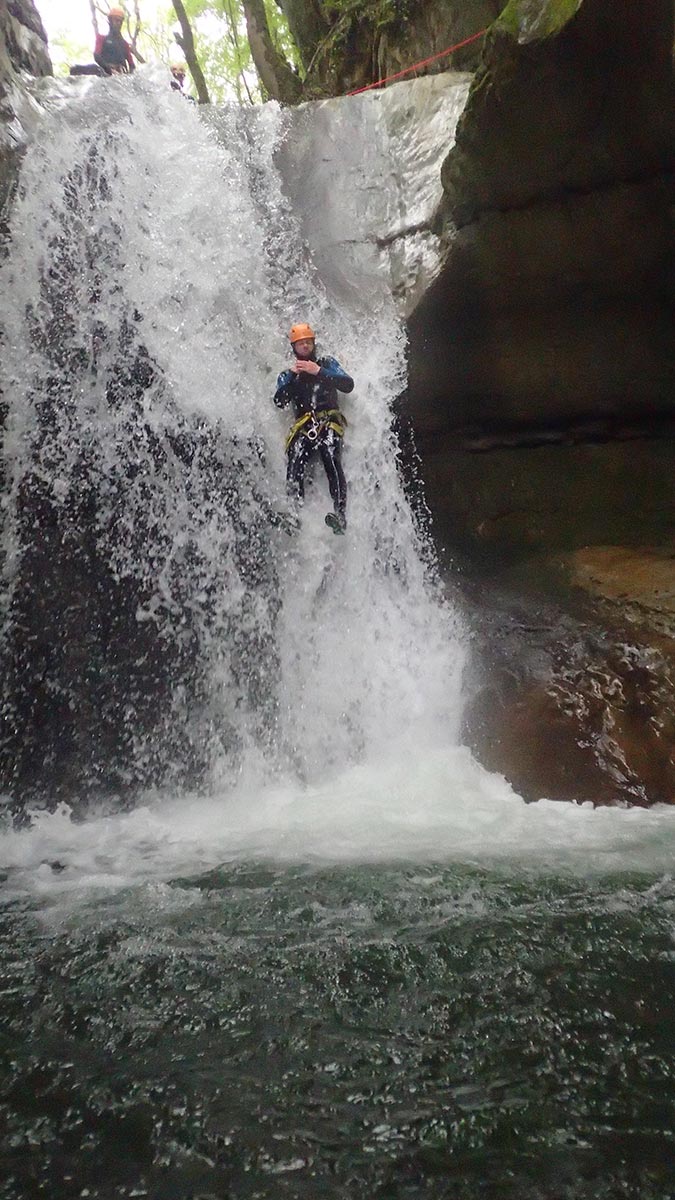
[23, 50]
[542, 391]
[344, 46]
[542, 368]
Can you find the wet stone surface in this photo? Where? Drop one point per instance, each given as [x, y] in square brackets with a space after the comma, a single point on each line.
[573, 683]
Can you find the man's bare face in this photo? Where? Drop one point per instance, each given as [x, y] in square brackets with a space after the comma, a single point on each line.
[303, 348]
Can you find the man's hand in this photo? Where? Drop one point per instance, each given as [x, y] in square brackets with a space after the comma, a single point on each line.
[305, 366]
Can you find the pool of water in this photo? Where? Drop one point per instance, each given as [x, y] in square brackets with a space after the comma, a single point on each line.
[383, 1030]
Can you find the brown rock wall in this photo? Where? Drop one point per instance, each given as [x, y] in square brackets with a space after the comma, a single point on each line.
[507, 502]
[573, 691]
[554, 306]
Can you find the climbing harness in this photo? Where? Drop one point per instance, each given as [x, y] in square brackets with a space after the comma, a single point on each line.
[312, 424]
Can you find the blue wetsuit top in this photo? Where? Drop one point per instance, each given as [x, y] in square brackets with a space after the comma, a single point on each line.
[313, 393]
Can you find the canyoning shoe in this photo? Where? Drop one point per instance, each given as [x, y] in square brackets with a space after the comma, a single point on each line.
[337, 522]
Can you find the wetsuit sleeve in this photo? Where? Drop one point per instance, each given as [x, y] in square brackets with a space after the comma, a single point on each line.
[130, 58]
[100, 38]
[283, 394]
[331, 369]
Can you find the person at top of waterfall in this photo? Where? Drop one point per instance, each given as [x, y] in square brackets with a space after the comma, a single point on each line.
[112, 54]
[178, 73]
[311, 386]
[178, 76]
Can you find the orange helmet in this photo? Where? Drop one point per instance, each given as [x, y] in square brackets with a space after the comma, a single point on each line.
[300, 332]
[116, 14]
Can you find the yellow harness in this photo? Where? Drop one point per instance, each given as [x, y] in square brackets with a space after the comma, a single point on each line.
[328, 418]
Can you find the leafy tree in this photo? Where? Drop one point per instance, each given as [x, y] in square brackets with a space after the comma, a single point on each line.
[186, 41]
[221, 30]
[223, 50]
[66, 50]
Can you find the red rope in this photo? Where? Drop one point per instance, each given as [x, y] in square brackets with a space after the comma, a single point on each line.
[416, 66]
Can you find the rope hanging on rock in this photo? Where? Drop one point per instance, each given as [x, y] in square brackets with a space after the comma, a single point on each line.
[416, 66]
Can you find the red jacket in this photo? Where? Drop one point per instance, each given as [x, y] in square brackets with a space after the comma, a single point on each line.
[112, 50]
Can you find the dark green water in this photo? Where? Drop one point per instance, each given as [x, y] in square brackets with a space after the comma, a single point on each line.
[355, 1032]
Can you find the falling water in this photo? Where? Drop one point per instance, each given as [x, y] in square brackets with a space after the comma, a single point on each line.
[153, 271]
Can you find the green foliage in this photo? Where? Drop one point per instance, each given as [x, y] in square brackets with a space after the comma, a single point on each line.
[66, 50]
[377, 13]
[219, 29]
[281, 36]
[223, 60]
[537, 18]
[355, 29]
[156, 41]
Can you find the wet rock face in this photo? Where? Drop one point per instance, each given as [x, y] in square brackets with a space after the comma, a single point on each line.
[573, 693]
[602, 81]
[23, 39]
[358, 229]
[344, 47]
[552, 316]
[431, 27]
[498, 499]
[542, 389]
[23, 48]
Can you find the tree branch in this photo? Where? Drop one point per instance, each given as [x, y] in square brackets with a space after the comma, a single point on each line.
[276, 75]
[237, 46]
[94, 18]
[187, 44]
[137, 30]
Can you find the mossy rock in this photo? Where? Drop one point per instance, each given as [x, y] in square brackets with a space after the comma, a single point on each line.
[566, 99]
[360, 43]
[531, 19]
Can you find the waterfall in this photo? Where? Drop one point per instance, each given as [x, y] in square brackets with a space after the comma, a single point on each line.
[158, 626]
[198, 683]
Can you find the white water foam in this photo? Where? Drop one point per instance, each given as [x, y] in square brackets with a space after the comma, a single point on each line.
[443, 808]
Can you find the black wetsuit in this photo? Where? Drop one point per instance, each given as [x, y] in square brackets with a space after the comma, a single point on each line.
[315, 397]
[112, 53]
